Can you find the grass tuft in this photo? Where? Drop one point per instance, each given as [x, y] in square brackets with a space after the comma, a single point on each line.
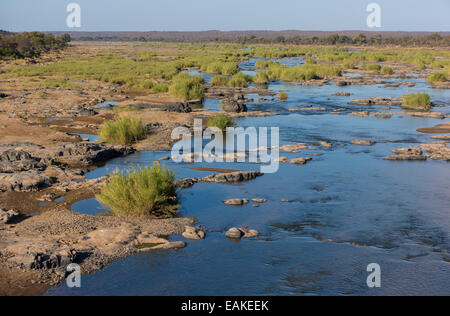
[221, 121]
[240, 80]
[141, 192]
[371, 67]
[417, 100]
[187, 87]
[437, 77]
[387, 71]
[124, 131]
[282, 96]
[220, 81]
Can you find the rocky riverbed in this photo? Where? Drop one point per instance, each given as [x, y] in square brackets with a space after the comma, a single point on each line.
[346, 199]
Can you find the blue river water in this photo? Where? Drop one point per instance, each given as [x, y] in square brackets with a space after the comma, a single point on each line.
[323, 223]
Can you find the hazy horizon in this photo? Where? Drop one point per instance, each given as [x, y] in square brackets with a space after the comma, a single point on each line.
[234, 15]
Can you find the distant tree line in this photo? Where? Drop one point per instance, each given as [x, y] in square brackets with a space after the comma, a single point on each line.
[29, 45]
[434, 39]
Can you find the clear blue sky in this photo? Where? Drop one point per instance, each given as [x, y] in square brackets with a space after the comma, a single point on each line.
[195, 15]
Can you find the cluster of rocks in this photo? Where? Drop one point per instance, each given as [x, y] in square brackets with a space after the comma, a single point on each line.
[178, 107]
[342, 94]
[437, 151]
[238, 233]
[235, 104]
[241, 202]
[29, 167]
[96, 101]
[233, 177]
[230, 177]
[193, 233]
[356, 81]
[441, 137]
[434, 151]
[7, 217]
[410, 153]
[85, 154]
[261, 100]
[398, 84]
[313, 83]
[383, 115]
[441, 85]
[360, 114]
[325, 144]
[296, 148]
[362, 142]
[53, 240]
[377, 101]
[314, 108]
[236, 202]
[300, 161]
[229, 92]
[434, 115]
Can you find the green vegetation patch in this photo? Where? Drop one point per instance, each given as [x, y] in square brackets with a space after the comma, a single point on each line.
[124, 131]
[371, 67]
[437, 77]
[240, 80]
[141, 192]
[387, 70]
[187, 87]
[29, 45]
[417, 100]
[282, 96]
[220, 81]
[221, 121]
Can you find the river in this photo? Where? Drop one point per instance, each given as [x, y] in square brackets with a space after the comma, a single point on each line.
[346, 209]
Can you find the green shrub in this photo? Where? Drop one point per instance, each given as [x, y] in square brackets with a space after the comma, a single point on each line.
[147, 191]
[310, 61]
[221, 121]
[387, 71]
[229, 69]
[187, 88]
[221, 68]
[160, 88]
[148, 84]
[417, 100]
[282, 96]
[437, 77]
[220, 81]
[262, 64]
[261, 77]
[348, 65]
[239, 80]
[277, 71]
[124, 131]
[371, 67]
[447, 71]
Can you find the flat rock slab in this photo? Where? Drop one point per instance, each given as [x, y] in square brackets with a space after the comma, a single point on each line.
[300, 161]
[377, 101]
[236, 202]
[362, 142]
[58, 237]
